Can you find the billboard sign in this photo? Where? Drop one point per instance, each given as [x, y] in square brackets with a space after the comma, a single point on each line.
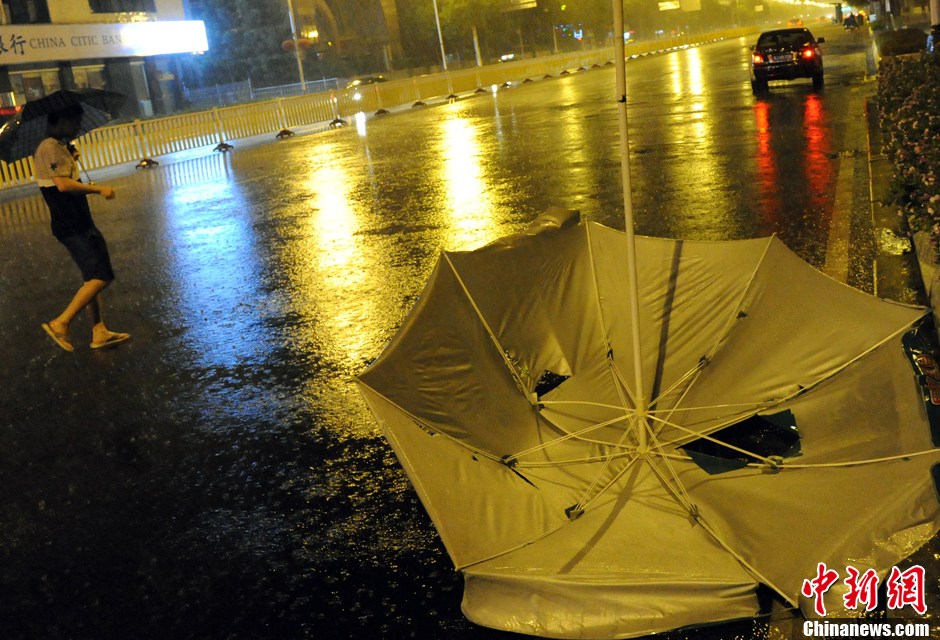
[24, 43]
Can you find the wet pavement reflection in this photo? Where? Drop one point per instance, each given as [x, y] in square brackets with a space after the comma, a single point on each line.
[219, 476]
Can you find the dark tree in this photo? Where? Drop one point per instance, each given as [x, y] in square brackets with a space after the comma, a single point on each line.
[245, 39]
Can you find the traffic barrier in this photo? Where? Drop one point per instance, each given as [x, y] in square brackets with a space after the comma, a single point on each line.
[142, 140]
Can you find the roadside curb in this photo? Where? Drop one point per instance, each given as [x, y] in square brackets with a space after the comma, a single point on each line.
[897, 268]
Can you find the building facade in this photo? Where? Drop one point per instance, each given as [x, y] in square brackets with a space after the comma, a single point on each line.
[128, 46]
[367, 29]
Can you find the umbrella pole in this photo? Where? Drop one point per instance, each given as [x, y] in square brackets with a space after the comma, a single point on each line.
[632, 278]
[85, 171]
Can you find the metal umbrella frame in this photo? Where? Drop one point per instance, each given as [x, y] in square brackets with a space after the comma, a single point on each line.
[580, 501]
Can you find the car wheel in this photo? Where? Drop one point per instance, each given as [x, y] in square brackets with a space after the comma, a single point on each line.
[818, 80]
[758, 86]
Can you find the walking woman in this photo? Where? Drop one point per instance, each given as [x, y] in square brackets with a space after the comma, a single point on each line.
[56, 169]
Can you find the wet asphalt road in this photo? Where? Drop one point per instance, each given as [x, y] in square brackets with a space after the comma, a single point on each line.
[218, 476]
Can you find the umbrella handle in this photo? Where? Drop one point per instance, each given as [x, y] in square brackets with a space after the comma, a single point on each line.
[87, 177]
[75, 155]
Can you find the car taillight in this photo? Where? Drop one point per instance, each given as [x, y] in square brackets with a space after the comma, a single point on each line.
[758, 58]
[808, 53]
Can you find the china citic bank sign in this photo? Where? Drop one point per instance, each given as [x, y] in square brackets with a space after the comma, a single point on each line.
[21, 44]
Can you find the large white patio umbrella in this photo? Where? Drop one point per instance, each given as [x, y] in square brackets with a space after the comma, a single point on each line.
[574, 508]
[616, 435]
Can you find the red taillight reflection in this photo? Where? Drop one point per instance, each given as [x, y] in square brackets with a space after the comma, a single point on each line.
[808, 53]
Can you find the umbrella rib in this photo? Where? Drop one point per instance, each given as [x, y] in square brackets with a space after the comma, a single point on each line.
[691, 373]
[584, 502]
[678, 491]
[588, 403]
[706, 526]
[711, 439]
[502, 352]
[766, 404]
[483, 453]
[574, 461]
[729, 323]
[856, 463]
[817, 465]
[726, 421]
[777, 402]
[569, 436]
[639, 422]
[737, 556]
[435, 431]
[522, 545]
[860, 356]
[690, 376]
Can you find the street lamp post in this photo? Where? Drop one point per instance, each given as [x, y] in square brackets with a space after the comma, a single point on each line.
[297, 54]
[935, 25]
[440, 38]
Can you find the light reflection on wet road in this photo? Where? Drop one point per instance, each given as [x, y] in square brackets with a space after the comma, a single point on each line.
[219, 477]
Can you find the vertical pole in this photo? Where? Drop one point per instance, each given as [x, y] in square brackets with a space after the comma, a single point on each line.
[476, 46]
[297, 55]
[632, 277]
[143, 149]
[935, 25]
[440, 38]
[219, 130]
[281, 115]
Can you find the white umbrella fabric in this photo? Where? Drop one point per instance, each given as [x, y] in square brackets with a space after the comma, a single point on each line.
[575, 510]
[618, 436]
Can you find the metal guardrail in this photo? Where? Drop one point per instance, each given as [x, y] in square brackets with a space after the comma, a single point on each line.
[233, 93]
[140, 139]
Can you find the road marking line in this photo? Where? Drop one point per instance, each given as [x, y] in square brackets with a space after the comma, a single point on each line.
[837, 246]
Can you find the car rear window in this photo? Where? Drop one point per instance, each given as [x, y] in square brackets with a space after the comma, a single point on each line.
[784, 39]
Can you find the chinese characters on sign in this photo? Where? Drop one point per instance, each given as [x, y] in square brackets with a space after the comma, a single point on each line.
[903, 588]
[13, 44]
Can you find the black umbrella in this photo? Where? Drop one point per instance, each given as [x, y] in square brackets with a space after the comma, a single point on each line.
[22, 134]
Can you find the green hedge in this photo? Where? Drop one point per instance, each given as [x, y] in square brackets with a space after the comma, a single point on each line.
[900, 42]
[909, 113]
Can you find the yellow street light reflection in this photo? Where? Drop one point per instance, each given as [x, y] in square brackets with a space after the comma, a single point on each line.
[468, 201]
[326, 263]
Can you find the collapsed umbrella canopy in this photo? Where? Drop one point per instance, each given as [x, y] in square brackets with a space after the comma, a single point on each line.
[20, 136]
[577, 506]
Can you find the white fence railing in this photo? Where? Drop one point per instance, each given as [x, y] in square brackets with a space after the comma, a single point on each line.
[135, 141]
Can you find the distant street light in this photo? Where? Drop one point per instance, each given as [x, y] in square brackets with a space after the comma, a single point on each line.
[297, 54]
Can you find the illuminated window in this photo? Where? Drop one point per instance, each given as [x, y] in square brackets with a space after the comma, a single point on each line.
[121, 6]
[50, 81]
[30, 85]
[89, 77]
[26, 11]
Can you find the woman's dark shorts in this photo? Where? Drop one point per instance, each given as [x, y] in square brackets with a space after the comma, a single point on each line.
[90, 252]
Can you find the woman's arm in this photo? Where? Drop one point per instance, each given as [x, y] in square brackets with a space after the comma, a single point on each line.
[69, 185]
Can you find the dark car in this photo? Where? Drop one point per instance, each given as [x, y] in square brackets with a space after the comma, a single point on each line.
[786, 54]
[358, 82]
